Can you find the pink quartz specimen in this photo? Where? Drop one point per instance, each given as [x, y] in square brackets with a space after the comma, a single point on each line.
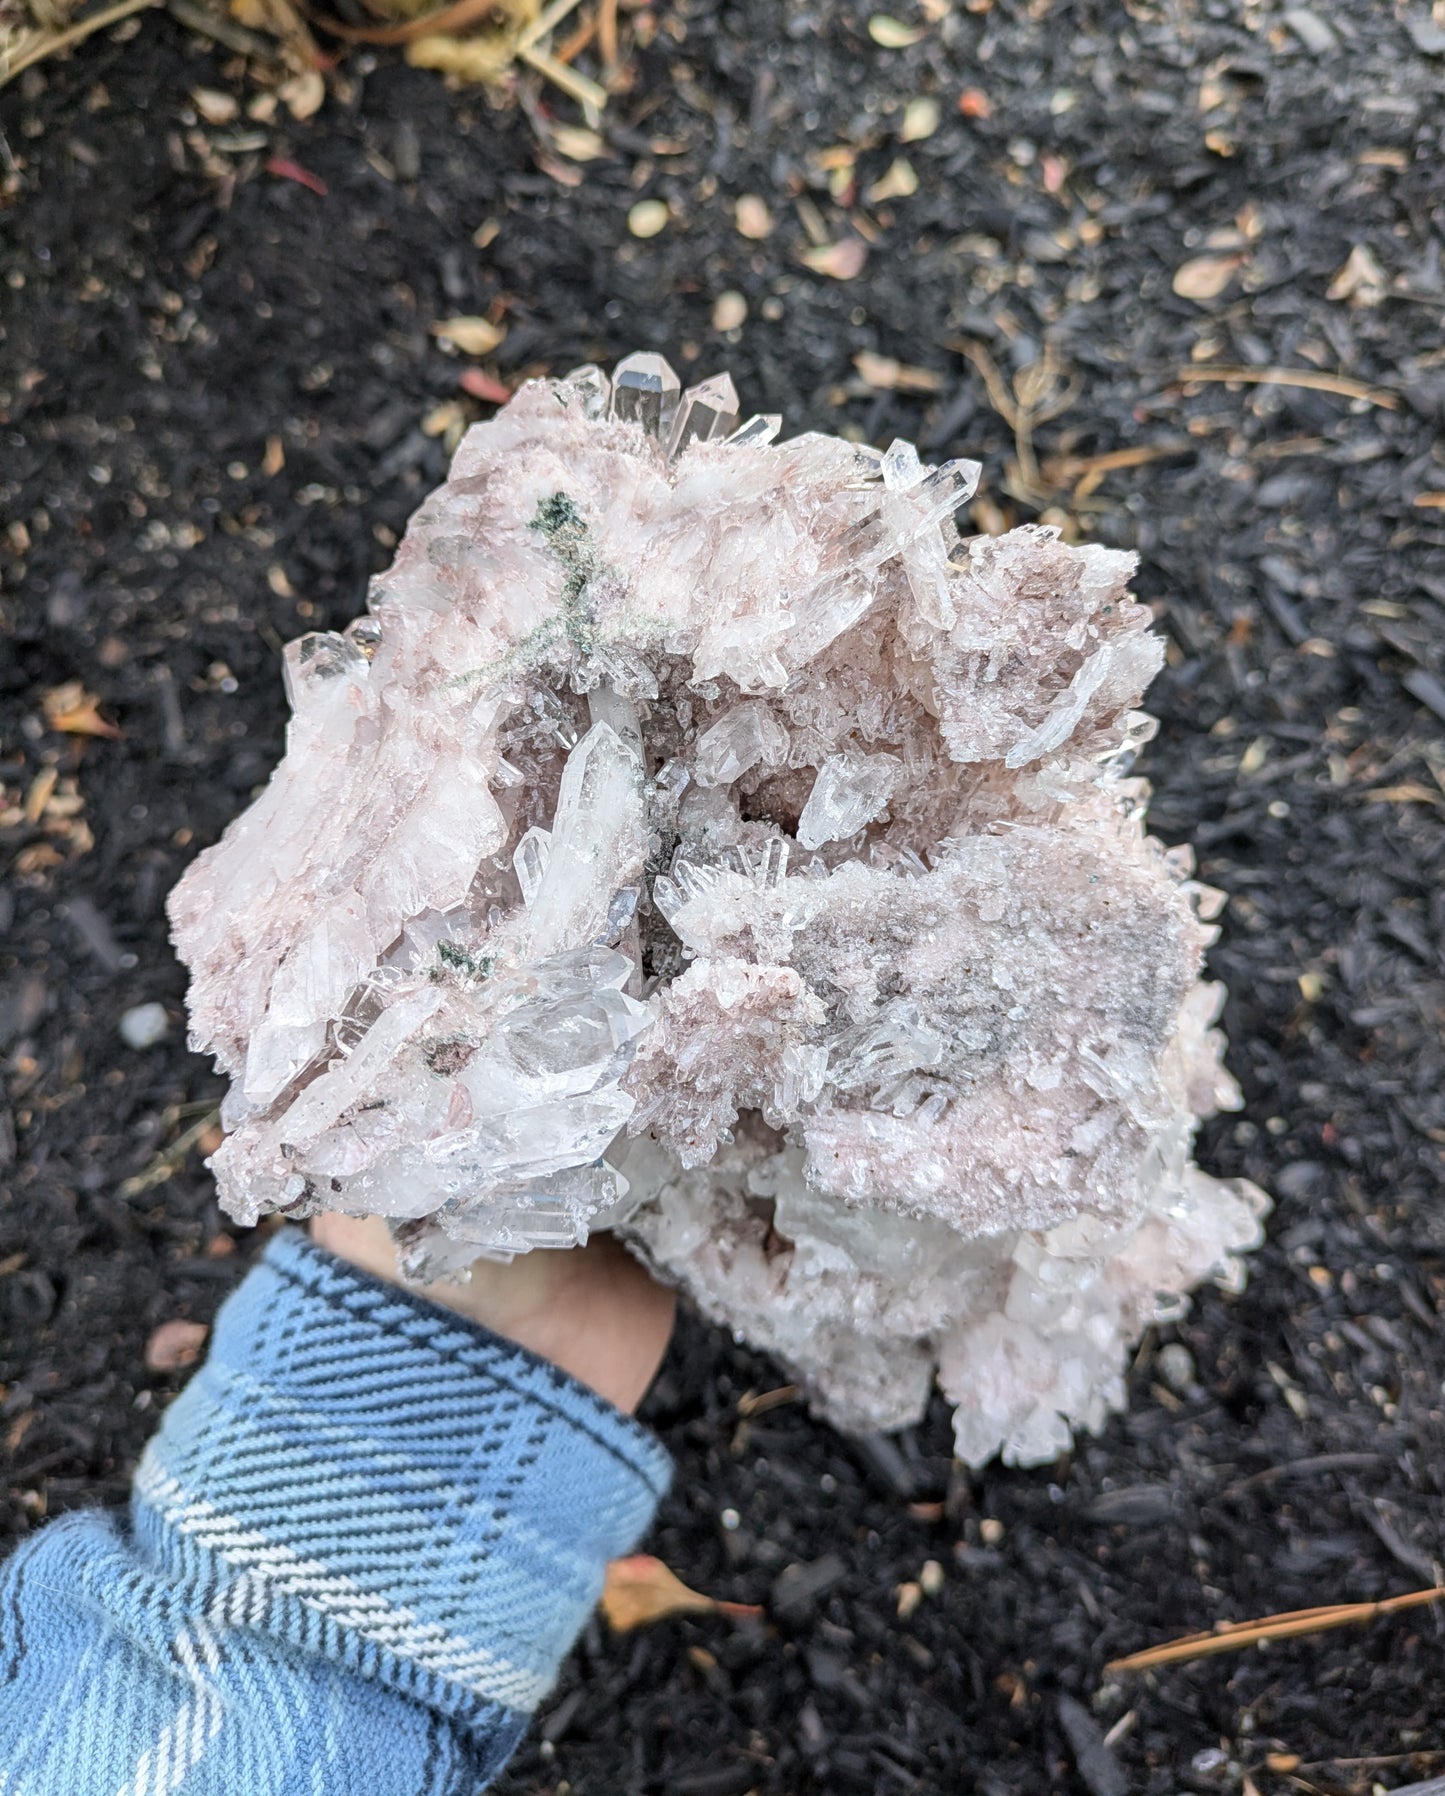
[699, 840]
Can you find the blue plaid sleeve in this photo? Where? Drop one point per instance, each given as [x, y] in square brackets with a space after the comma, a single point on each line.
[358, 1549]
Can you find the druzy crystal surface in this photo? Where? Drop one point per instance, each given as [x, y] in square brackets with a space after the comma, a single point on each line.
[698, 839]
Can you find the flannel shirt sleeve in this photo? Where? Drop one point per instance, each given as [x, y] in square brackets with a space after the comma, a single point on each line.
[361, 1543]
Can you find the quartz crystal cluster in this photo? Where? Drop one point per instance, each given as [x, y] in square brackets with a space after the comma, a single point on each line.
[699, 839]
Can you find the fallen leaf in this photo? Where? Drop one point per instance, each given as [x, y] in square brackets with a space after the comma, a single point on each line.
[473, 336]
[215, 107]
[287, 170]
[482, 386]
[920, 119]
[1206, 277]
[898, 182]
[752, 217]
[893, 34]
[841, 261]
[647, 218]
[1361, 281]
[1430, 501]
[886, 375]
[641, 1589]
[175, 1344]
[973, 102]
[72, 710]
[304, 94]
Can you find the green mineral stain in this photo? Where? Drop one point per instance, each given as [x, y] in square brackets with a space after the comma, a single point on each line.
[478, 966]
[569, 539]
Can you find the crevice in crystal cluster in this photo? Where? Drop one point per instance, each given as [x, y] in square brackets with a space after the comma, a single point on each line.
[699, 840]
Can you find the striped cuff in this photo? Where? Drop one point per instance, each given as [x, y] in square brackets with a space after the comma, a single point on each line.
[380, 1482]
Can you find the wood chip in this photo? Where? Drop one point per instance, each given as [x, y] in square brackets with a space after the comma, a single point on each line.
[472, 336]
[304, 94]
[72, 710]
[1206, 277]
[886, 375]
[215, 107]
[898, 182]
[578, 144]
[893, 34]
[1361, 281]
[842, 261]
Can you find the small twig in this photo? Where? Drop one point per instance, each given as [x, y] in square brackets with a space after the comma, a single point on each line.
[166, 1162]
[1339, 384]
[588, 95]
[607, 33]
[445, 21]
[37, 50]
[1230, 1636]
[1088, 472]
[551, 16]
[210, 24]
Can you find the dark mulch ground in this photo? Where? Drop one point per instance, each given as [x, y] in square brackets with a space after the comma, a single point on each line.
[169, 306]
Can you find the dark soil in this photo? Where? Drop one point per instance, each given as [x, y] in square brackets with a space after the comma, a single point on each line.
[169, 306]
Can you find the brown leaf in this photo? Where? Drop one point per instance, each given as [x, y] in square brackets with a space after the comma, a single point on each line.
[175, 1344]
[841, 261]
[1206, 277]
[641, 1589]
[72, 710]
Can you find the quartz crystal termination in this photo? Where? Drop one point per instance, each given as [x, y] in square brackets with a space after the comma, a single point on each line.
[698, 839]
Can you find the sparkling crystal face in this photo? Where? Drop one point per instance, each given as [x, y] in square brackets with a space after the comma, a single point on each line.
[699, 839]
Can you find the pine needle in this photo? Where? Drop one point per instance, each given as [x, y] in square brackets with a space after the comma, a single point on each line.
[1231, 1636]
[1340, 384]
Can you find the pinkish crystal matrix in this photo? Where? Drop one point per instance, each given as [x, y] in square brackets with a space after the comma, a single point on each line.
[699, 840]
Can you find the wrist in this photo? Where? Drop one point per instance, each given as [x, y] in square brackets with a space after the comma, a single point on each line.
[592, 1311]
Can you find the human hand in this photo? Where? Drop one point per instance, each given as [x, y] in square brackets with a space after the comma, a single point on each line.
[594, 1311]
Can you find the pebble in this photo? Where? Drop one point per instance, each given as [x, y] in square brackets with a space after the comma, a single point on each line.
[144, 1025]
[1175, 1365]
[729, 311]
[752, 217]
[647, 218]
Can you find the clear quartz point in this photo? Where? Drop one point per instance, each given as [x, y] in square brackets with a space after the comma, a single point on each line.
[645, 391]
[757, 433]
[530, 859]
[901, 467]
[709, 411]
[586, 391]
